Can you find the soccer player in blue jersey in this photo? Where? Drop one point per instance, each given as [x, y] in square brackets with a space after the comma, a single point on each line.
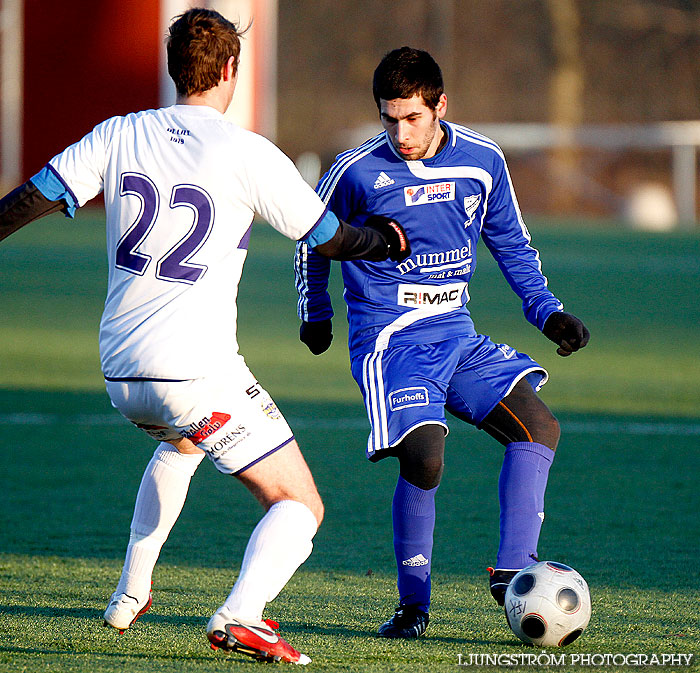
[413, 346]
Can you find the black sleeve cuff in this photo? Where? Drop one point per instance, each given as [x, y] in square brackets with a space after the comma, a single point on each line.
[24, 205]
[349, 243]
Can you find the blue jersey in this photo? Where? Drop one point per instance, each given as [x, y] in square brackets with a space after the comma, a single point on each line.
[445, 204]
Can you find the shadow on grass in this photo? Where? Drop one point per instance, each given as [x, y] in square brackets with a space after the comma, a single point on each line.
[147, 656]
[345, 632]
[290, 625]
[97, 615]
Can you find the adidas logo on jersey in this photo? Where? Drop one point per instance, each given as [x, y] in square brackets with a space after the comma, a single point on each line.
[383, 180]
[417, 560]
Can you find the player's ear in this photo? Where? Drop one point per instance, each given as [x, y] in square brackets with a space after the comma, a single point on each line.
[441, 107]
[229, 71]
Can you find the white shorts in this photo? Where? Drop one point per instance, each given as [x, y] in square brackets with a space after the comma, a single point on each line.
[230, 415]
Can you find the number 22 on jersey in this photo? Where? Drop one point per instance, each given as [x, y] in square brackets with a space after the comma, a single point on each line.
[174, 265]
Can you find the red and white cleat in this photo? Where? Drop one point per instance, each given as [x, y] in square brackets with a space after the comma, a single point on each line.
[123, 610]
[255, 639]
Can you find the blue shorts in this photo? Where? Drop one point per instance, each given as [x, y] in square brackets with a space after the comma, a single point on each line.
[405, 387]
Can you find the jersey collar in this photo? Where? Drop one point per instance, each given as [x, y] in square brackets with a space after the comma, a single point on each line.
[197, 111]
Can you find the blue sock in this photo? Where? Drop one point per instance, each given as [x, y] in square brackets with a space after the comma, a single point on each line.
[413, 511]
[521, 488]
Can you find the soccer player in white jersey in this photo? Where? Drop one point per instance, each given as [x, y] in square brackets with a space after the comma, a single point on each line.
[181, 186]
[413, 346]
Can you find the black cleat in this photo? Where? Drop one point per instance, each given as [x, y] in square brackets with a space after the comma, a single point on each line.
[408, 622]
[499, 580]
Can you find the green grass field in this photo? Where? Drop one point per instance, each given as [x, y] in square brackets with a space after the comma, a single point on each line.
[622, 505]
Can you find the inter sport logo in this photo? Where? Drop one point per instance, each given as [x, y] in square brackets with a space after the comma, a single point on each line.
[432, 193]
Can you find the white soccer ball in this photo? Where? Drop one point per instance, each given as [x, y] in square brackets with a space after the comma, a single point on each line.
[548, 604]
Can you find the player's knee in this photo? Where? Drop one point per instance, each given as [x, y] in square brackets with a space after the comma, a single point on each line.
[425, 474]
[421, 456]
[432, 474]
[310, 499]
[317, 508]
[546, 430]
[312, 502]
[524, 417]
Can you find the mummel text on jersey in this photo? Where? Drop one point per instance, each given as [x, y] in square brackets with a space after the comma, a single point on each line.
[444, 203]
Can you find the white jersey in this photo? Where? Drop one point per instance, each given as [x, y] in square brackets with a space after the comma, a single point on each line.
[181, 186]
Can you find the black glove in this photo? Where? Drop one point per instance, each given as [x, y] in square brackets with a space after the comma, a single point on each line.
[394, 235]
[317, 335]
[567, 331]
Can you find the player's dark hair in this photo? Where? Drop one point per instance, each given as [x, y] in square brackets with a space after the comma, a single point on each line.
[199, 44]
[407, 72]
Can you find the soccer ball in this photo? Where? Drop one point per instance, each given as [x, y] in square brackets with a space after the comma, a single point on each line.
[548, 604]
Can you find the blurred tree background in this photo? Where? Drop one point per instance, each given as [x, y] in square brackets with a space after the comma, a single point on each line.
[596, 103]
[565, 62]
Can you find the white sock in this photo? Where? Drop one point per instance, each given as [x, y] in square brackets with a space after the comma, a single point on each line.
[159, 502]
[280, 543]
